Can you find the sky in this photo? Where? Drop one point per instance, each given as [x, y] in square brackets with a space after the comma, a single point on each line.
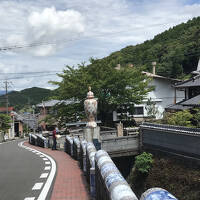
[69, 32]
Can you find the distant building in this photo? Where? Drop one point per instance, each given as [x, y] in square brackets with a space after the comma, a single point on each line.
[4, 109]
[45, 108]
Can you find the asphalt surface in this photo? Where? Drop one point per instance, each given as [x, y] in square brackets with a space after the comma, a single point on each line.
[20, 169]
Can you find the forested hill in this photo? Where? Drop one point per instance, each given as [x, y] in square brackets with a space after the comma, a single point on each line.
[30, 96]
[176, 51]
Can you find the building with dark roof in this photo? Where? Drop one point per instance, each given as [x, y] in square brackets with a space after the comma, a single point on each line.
[191, 87]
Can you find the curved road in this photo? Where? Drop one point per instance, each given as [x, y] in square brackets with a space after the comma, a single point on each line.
[20, 170]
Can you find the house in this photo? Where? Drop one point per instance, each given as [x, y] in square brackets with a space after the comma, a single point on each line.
[45, 108]
[16, 125]
[191, 89]
[161, 97]
[3, 110]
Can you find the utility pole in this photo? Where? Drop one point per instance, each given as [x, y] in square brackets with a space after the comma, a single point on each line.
[6, 95]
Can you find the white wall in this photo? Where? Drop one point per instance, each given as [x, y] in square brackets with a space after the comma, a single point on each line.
[163, 95]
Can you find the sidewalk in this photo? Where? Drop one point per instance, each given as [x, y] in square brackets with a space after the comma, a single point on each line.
[70, 183]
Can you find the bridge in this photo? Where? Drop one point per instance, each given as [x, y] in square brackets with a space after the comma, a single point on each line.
[102, 175]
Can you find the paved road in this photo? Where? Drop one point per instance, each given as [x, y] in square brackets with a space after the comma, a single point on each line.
[20, 169]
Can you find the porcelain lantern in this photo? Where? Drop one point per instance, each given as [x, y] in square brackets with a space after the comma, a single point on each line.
[90, 105]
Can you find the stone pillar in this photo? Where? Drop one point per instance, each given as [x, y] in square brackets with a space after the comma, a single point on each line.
[120, 130]
[91, 132]
[92, 135]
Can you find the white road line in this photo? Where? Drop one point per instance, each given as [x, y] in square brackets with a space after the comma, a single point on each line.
[29, 198]
[37, 186]
[38, 153]
[50, 178]
[6, 142]
[41, 156]
[44, 175]
[45, 159]
[47, 168]
[47, 163]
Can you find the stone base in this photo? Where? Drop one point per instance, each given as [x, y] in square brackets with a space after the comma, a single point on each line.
[90, 134]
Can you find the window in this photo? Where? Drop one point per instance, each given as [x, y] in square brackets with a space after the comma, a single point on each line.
[138, 110]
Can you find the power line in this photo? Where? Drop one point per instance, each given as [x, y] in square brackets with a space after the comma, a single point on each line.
[48, 73]
[20, 46]
[41, 72]
[22, 77]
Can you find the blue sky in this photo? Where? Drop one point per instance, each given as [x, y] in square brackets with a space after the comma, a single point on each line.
[80, 30]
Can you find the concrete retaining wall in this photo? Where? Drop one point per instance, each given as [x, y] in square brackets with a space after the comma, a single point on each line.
[127, 145]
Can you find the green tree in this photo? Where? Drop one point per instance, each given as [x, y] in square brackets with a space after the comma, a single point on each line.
[68, 113]
[196, 117]
[181, 118]
[151, 108]
[5, 121]
[112, 87]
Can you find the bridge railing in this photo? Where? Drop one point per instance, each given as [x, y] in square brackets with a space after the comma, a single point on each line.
[108, 134]
[90, 167]
[110, 184]
[105, 180]
[83, 155]
[76, 148]
[32, 139]
[41, 141]
[69, 145]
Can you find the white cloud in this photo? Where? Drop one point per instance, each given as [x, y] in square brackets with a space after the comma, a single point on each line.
[49, 26]
[96, 28]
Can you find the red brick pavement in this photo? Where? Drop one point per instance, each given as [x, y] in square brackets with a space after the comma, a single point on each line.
[70, 183]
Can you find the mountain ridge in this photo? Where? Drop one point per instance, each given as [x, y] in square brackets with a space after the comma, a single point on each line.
[175, 50]
[28, 96]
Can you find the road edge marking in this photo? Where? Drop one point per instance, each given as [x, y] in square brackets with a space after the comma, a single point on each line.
[49, 181]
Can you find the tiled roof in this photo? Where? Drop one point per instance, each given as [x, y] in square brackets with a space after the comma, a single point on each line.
[53, 102]
[18, 117]
[3, 109]
[177, 107]
[193, 82]
[48, 103]
[195, 101]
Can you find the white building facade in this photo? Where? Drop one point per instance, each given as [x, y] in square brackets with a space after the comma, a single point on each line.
[161, 97]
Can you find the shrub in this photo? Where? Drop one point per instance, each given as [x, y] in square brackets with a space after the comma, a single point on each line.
[143, 162]
[181, 118]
